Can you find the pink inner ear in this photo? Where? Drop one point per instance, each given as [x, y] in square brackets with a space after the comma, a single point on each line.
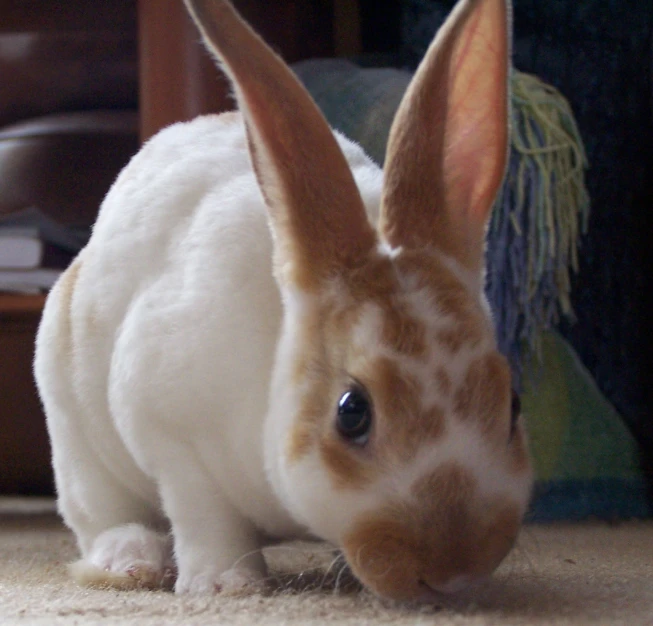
[448, 144]
[476, 128]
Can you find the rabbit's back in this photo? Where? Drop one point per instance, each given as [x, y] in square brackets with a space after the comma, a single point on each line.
[166, 313]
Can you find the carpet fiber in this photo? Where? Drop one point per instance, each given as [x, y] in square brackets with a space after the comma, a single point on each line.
[559, 574]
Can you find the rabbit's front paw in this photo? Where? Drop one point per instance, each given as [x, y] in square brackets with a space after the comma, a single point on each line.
[126, 557]
[235, 581]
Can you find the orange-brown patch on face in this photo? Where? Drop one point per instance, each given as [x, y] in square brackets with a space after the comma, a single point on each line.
[324, 335]
[451, 297]
[396, 392]
[403, 333]
[469, 332]
[377, 282]
[466, 333]
[431, 273]
[304, 433]
[346, 468]
[317, 373]
[446, 491]
[485, 393]
[445, 532]
[405, 423]
[313, 374]
[443, 381]
[374, 281]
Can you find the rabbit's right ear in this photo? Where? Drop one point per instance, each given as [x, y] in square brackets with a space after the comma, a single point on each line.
[448, 143]
[318, 218]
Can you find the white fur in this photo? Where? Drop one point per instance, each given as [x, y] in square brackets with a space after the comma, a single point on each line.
[155, 376]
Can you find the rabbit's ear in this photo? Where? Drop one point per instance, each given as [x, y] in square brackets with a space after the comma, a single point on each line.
[318, 218]
[448, 144]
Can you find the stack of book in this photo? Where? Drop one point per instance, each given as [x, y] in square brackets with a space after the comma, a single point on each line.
[34, 250]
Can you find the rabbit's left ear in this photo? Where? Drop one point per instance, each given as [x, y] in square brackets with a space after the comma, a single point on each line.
[448, 144]
[317, 215]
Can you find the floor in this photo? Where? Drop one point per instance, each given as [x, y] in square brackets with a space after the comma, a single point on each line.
[561, 574]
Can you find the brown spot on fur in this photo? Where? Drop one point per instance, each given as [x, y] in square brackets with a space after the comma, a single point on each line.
[300, 440]
[403, 333]
[433, 423]
[469, 332]
[346, 469]
[308, 424]
[395, 391]
[375, 281]
[450, 483]
[454, 300]
[431, 273]
[443, 382]
[447, 532]
[451, 339]
[384, 556]
[451, 297]
[313, 374]
[378, 283]
[485, 394]
[406, 425]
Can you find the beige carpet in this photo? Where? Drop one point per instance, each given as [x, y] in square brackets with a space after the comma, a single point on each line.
[564, 574]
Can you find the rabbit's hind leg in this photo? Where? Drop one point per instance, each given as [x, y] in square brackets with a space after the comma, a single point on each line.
[120, 530]
[111, 506]
[103, 495]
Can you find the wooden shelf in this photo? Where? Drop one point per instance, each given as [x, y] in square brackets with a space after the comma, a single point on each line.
[19, 303]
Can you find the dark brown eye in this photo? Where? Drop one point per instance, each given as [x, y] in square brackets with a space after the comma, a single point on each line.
[515, 413]
[354, 418]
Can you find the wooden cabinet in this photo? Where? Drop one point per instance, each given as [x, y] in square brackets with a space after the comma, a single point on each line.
[24, 448]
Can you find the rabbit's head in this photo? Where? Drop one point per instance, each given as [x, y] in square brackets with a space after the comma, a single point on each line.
[393, 430]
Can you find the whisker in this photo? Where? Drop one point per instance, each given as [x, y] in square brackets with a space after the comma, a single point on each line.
[343, 570]
[245, 556]
[333, 563]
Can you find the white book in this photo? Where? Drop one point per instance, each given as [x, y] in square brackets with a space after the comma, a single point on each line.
[20, 248]
[69, 238]
[28, 281]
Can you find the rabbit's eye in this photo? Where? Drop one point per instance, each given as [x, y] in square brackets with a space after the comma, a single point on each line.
[354, 418]
[515, 413]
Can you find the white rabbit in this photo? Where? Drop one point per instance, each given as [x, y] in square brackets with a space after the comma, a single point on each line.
[250, 349]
